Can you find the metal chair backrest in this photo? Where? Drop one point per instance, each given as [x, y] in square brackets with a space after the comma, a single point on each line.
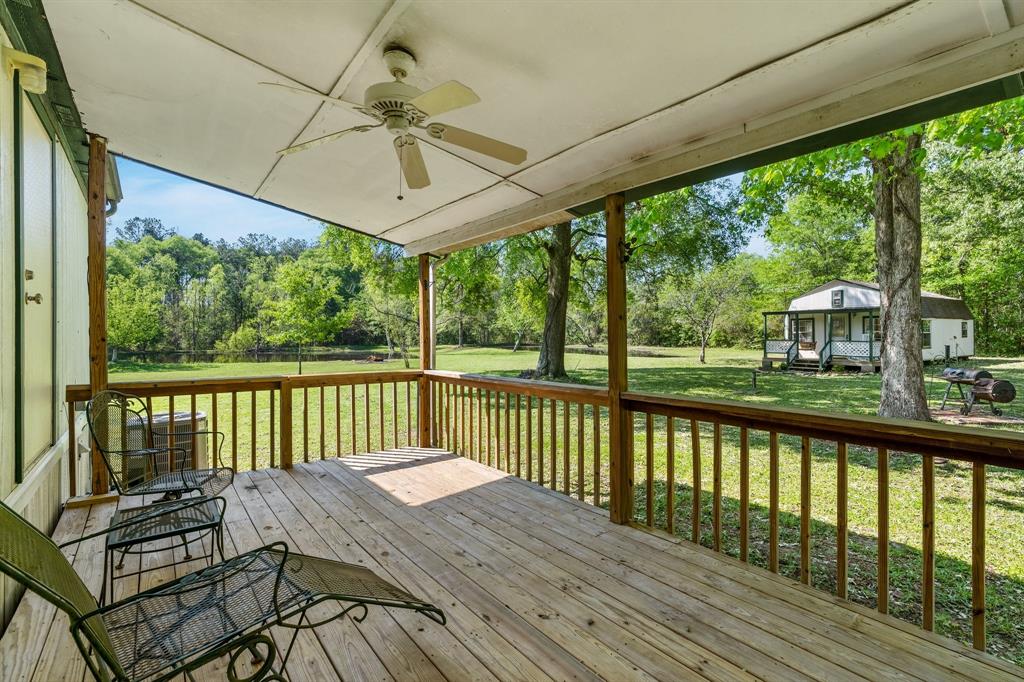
[119, 424]
[31, 558]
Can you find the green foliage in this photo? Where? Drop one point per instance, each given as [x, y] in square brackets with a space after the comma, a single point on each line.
[310, 305]
[243, 340]
[133, 313]
[973, 220]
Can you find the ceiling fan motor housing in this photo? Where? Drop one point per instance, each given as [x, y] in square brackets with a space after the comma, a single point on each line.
[388, 100]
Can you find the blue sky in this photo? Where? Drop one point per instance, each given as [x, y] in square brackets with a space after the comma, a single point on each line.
[189, 207]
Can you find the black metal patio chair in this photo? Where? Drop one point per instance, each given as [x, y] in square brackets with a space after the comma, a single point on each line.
[122, 428]
[225, 609]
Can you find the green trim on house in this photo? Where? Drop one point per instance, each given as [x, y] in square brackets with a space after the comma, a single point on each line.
[19, 280]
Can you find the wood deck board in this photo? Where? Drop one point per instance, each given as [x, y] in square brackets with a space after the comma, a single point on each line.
[536, 586]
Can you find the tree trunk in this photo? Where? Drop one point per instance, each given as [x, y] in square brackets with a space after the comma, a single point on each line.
[391, 344]
[897, 193]
[551, 362]
[461, 330]
[519, 339]
[405, 350]
[703, 351]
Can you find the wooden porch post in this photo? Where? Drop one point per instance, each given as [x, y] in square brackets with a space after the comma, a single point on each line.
[871, 336]
[424, 383]
[765, 334]
[619, 422]
[97, 283]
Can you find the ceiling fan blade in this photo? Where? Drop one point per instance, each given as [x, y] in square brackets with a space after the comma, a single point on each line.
[324, 140]
[445, 97]
[305, 91]
[413, 167]
[319, 95]
[477, 143]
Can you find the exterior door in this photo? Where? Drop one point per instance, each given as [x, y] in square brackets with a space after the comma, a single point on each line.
[36, 296]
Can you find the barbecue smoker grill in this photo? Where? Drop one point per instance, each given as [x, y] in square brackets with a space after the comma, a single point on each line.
[983, 389]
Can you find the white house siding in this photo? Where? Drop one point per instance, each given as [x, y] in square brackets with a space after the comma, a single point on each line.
[948, 332]
[44, 488]
[854, 297]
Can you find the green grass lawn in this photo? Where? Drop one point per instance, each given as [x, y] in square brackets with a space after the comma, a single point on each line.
[727, 374]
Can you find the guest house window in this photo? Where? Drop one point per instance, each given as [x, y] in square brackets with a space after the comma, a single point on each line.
[926, 333]
[963, 329]
[837, 298]
[876, 323]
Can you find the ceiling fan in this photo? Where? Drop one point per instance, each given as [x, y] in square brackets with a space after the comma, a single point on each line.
[403, 109]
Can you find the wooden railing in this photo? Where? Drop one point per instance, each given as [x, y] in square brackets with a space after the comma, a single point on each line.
[275, 420]
[557, 436]
[549, 433]
[673, 426]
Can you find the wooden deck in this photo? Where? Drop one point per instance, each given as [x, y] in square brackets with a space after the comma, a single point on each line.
[535, 586]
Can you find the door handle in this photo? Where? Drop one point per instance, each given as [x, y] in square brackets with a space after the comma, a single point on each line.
[38, 298]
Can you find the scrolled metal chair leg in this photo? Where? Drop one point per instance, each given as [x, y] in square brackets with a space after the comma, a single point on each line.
[265, 660]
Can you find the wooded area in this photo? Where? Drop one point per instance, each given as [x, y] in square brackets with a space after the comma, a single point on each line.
[691, 278]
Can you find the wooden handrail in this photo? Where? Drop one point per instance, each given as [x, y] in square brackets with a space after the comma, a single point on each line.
[81, 392]
[969, 444]
[278, 441]
[592, 395]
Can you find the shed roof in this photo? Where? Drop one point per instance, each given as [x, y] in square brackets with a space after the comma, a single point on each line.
[606, 97]
[934, 306]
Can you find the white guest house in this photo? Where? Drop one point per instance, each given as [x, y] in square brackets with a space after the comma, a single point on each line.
[837, 324]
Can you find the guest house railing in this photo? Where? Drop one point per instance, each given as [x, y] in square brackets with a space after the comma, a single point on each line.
[557, 436]
[777, 346]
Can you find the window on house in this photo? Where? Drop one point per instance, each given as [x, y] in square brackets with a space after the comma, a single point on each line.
[839, 328]
[802, 329]
[837, 298]
[926, 333]
[876, 323]
[963, 329]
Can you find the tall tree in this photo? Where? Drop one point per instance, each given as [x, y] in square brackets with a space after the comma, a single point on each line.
[559, 250]
[698, 300]
[385, 284]
[312, 305]
[890, 166]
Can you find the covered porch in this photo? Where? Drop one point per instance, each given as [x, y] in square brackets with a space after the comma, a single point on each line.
[536, 585]
[823, 338]
[547, 520]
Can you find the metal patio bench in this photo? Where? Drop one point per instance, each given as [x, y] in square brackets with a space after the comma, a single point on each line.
[120, 424]
[223, 610]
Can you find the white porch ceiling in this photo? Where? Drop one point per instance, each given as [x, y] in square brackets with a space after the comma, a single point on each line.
[603, 95]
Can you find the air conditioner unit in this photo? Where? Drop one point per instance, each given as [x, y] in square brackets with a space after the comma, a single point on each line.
[199, 459]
